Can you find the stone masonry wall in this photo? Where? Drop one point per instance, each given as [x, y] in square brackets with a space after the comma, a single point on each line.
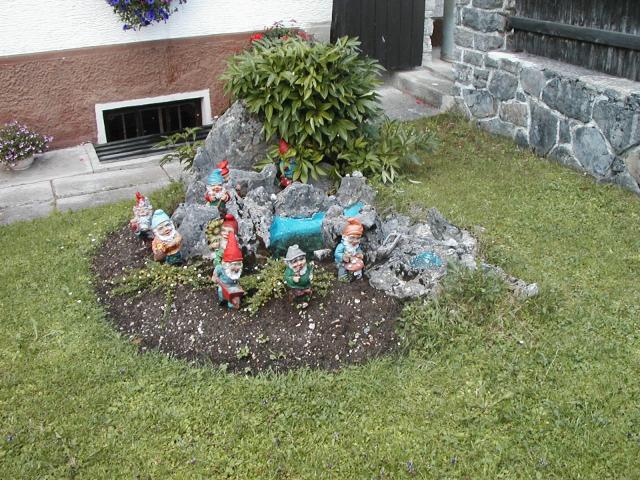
[586, 120]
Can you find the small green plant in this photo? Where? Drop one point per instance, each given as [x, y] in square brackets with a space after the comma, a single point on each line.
[314, 96]
[183, 146]
[243, 352]
[268, 283]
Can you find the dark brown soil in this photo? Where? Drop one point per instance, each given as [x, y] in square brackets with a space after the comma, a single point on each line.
[349, 325]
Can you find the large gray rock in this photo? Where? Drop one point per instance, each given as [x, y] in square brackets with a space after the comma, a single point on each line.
[482, 20]
[462, 73]
[463, 38]
[192, 221]
[195, 193]
[481, 103]
[353, 189]
[571, 97]
[590, 148]
[532, 81]
[236, 136]
[487, 3]
[257, 216]
[245, 181]
[300, 200]
[544, 128]
[564, 155]
[632, 162]
[487, 41]
[497, 127]
[619, 122]
[503, 85]
[474, 58]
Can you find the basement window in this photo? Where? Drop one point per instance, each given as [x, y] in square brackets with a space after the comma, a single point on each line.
[153, 119]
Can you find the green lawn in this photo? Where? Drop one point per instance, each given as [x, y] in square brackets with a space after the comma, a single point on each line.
[545, 389]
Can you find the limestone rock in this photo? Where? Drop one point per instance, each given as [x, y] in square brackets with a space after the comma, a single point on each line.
[353, 189]
[236, 136]
[514, 112]
[258, 210]
[192, 225]
[497, 127]
[532, 81]
[590, 149]
[245, 181]
[300, 200]
[571, 97]
[565, 156]
[195, 193]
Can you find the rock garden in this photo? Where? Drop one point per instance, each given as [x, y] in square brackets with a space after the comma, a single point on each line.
[278, 257]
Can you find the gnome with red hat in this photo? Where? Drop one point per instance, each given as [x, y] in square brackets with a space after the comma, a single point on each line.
[348, 254]
[218, 232]
[228, 273]
[140, 224]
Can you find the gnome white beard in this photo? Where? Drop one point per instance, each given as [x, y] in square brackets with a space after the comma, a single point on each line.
[167, 238]
[232, 274]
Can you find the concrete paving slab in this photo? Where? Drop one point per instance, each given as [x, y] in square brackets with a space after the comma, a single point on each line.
[25, 212]
[23, 194]
[78, 202]
[104, 181]
[49, 165]
[398, 105]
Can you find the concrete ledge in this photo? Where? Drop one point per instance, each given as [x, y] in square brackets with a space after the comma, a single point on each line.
[26, 194]
[78, 202]
[25, 212]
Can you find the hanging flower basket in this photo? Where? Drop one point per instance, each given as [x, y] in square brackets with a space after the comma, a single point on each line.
[139, 13]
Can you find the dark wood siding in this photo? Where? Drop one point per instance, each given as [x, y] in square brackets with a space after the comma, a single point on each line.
[622, 16]
[391, 31]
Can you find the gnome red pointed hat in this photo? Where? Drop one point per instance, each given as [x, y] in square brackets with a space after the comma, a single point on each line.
[230, 221]
[224, 167]
[140, 198]
[232, 252]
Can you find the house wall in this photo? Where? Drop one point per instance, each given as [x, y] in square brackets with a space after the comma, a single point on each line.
[28, 26]
[583, 119]
[56, 64]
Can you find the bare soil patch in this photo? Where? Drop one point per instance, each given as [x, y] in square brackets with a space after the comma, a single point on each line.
[350, 325]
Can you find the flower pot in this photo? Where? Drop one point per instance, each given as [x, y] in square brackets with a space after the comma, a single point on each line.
[23, 164]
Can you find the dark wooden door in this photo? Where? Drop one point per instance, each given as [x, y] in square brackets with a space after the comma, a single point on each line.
[391, 31]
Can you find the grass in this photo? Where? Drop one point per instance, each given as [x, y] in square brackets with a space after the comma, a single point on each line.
[543, 389]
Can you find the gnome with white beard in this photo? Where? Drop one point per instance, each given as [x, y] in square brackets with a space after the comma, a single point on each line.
[140, 224]
[227, 274]
[167, 242]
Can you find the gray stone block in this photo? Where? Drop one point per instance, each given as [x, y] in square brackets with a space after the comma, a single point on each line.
[480, 103]
[503, 85]
[564, 131]
[521, 97]
[480, 77]
[571, 97]
[632, 162]
[489, 4]
[626, 181]
[497, 127]
[463, 38]
[544, 128]
[516, 113]
[619, 122]
[462, 73]
[486, 41]
[590, 148]
[482, 20]
[490, 62]
[521, 137]
[510, 66]
[564, 155]
[532, 81]
[472, 57]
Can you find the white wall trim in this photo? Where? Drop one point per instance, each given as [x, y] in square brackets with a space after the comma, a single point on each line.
[100, 108]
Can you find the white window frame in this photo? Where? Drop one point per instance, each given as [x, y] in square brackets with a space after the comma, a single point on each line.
[100, 108]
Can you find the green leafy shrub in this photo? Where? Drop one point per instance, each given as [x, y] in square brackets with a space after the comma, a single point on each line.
[386, 149]
[315, 96]
[183, 146]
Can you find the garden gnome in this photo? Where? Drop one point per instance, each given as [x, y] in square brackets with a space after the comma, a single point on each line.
[229, 225]
[216, 195]
[227, 274]
[348, 254]
[298, 276]
[223, 166]
[167, 241]
[140, 224]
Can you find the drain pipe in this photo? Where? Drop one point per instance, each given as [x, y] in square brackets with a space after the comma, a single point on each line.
[448, 26]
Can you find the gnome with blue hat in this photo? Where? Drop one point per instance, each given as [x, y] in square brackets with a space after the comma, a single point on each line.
[216, 195]
[166, 241]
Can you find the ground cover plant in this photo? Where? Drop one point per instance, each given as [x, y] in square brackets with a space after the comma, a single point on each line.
[543, 389]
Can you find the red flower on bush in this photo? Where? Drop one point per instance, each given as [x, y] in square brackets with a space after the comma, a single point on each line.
[283, 148]
[256, 36]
